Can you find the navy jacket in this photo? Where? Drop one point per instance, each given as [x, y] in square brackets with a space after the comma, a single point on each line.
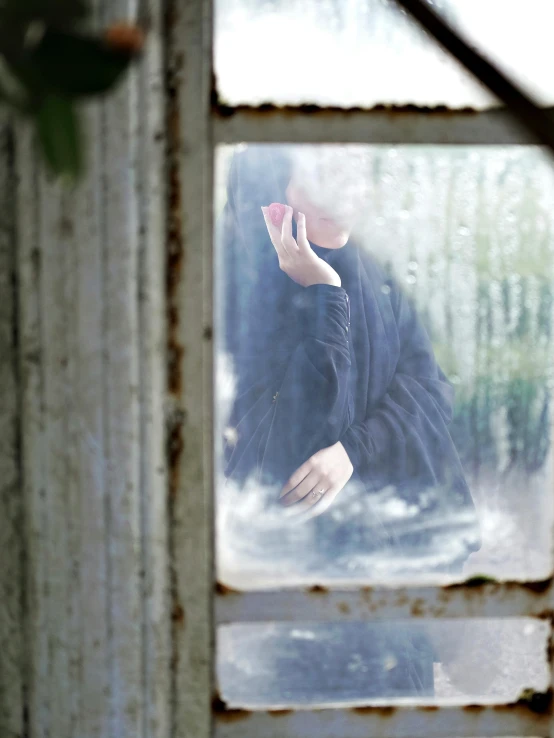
[324, 364]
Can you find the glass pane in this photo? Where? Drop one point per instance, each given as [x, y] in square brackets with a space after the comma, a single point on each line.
[364, 52]
[404, 352]
[279, 665]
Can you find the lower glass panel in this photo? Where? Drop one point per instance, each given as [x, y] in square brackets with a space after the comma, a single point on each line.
[332, 663]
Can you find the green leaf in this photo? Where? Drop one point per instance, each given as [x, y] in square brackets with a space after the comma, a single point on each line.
[59, 135]
[77, 65]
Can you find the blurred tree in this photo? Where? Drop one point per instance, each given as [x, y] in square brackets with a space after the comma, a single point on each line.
[49, 62]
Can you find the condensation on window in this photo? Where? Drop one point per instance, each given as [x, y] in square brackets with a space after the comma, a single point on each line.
[364, 52]
[458, 243]
[278, 665]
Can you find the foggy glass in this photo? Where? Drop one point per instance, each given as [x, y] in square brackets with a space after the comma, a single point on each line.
[365, 52]
[275, 665]
[466, 235]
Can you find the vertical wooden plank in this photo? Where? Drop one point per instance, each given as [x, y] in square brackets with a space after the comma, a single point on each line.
[88, 430]
[11, 509]
[57, 399]
[190, 363]
[122, 395]
[151, 197]
[29, 267]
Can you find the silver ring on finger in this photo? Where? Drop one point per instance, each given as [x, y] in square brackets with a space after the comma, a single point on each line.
[317, 493]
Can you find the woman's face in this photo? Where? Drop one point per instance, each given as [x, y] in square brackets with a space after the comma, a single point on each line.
[329, 200]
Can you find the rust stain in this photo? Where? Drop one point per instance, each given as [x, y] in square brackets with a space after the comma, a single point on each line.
[418, 608]
[473, 708]
[538, 702]
[280, 713]
[428, 708]
[175, 245]
[386, 711]
[344, 607]
[538, 587]
[226, 714]
[222, 110]
[178, 614]
[223, 590]
[175, 254]
[483, 583]
[550, 644]
[317, 589]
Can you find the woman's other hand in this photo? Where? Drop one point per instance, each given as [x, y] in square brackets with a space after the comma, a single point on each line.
[296, 258]
[313, 487]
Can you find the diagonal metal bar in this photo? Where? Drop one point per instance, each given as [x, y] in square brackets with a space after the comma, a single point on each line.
[528, 113]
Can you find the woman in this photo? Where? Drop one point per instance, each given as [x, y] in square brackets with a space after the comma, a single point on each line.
[337, 384]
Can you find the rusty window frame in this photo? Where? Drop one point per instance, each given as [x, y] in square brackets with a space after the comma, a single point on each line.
[198, 123]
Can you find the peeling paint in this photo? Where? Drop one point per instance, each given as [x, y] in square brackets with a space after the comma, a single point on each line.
[223, 589]
[482, 582]
[227, 714]
[318, 589]
[538, 702]
[178, 614]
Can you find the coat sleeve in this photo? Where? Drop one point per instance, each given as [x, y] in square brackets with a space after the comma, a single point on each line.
[405, 440]
[292, 400]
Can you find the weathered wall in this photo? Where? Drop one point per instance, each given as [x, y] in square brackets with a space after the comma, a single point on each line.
[90, 269]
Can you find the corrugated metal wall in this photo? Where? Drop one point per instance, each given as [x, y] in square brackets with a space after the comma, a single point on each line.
[90, 626]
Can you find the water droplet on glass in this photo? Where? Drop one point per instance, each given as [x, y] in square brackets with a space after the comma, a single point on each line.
[463, 231]
[410, 279]
[413, 266]
[455, 379]
[385, 289]
[393, 153]
[404, 214]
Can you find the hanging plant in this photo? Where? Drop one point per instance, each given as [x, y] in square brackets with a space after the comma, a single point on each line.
[49, 63]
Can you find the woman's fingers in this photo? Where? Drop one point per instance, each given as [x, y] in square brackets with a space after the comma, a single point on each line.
[301, 490]
[274, 234]
[311, 507]
[297, 477]
[287, 238]
[322, 505]
[302, 238]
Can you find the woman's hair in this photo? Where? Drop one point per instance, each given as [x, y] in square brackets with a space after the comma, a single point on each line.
[250, 283]
[253, 290]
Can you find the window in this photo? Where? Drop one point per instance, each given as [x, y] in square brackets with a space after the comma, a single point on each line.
[457, 186]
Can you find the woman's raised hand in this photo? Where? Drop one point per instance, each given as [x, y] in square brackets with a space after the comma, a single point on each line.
[297, 258]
